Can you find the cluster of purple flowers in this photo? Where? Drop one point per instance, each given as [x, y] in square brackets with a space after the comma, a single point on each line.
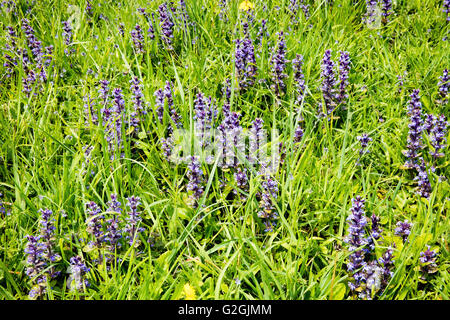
[41, 255]
[344, 69]
[424, 187]
[293, 7]
[268, 197]
[369, 276]
[428, 261]
[278, 66]
[257, 135]
[195, 175]
[439, 136]
[67, 36]
[444, 84]
[94, 223]
[138, 39]
[371, 6]
[37, 76]
[364, 141]
[329, 80]
[299, 78]
[415, 130]
[204, 115]
[113, 232]
[132, 229]
[446, 9]
[166, 24]
[78, 269]
[89, 8]
[138, 102]
[245, 62]
[386, 10]
[163, 95]
[230, 132]
[403, 230]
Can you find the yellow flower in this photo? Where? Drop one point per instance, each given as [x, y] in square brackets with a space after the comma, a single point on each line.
[246, 5]
[189, 292]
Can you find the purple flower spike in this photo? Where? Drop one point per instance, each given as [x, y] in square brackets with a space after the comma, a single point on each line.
[424, 187]
[78, 273]
[89, 8]
[195, 175]
[131, 229]
[257, 135]
[138, 39]
[387, 264]
[386, 10]
[375, 233]
[159, 102]
[138, 100]
[113, 234]
[403, 229]
[444, 84]
[328, 81]
[428, 261]
[446, 9]
[166, 25]
[415, 130]
[439, 136]
[298, 134]
[356, 240]
[299, 78]
[430, 121]
[47, 235]
[95, 224]
[204, 117]
[278, 66]
[268, 196]
[344, 69]
[245, 62]
[35, 266]
[364, 141]
[33, 43]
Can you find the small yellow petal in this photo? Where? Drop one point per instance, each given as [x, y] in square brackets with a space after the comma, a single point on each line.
[189, 292]
[246, 5]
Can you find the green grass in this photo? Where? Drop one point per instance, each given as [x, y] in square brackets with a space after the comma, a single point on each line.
[42, 139]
